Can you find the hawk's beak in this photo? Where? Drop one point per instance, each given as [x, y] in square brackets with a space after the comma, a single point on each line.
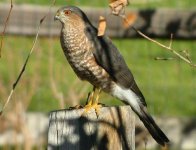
[56, 17]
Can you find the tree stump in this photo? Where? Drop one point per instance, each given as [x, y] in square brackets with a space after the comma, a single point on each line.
[112, 129]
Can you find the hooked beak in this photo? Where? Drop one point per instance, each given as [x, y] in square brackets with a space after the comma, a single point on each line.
[56, 17]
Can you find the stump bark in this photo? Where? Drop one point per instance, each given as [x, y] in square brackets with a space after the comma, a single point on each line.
[112, 129]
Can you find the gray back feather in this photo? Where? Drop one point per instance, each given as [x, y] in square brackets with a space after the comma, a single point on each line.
[108, 56]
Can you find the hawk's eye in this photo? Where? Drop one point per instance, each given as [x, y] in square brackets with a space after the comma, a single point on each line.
[67, 12]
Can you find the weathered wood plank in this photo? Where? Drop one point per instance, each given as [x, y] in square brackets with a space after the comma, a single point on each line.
[113, 129]
[154, 22]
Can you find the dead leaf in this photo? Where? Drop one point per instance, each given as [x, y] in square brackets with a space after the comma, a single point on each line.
[130, 19]
[102, 26]
[118, 6]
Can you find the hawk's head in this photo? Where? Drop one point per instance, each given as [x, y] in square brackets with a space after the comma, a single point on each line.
[70, 14]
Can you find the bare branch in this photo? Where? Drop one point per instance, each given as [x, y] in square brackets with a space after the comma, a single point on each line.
[166, 47]
[118, 8]
[161, 58]
[162, 45]
[22, 70]
[27, 59]
[6, 22]
[56, 92]
[171, 40]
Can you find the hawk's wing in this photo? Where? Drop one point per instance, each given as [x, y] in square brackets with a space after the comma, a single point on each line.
[108, 57]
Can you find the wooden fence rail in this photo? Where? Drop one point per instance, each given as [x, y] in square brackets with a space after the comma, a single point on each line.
[155, 22]
[112, 129]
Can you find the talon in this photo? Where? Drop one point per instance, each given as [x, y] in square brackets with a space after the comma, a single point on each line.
[93, 100]
[97, 108]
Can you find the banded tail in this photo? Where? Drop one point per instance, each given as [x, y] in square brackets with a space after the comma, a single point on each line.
[138, 105]
[152, 127]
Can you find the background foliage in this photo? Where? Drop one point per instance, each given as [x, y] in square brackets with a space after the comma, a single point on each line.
[104, 3]
[49, 82]
[167, 85]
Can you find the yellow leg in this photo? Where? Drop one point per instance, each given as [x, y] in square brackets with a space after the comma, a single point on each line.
[91, 97]
[96, 104]
[97, 96]
[89, 104]
[93, 101]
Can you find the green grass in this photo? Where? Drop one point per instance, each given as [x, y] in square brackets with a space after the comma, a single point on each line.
[169, 86]
[104, 3]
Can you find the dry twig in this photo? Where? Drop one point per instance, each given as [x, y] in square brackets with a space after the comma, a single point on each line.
[161, 58]
[27, 59]
[55, 91]
[184, 58]
[5, 26]
[121, 6]
[131, 18]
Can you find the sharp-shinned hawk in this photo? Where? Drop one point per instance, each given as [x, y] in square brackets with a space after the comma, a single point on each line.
[96, 59]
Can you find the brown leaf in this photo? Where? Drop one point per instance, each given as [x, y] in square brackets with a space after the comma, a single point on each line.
[102, 26]
[130, 19]
[118, 6]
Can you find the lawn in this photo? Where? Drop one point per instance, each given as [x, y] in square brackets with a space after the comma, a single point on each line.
[169, 86]
[104, 3]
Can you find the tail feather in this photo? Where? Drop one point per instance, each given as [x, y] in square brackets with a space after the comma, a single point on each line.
[138, 105]
[152, 127]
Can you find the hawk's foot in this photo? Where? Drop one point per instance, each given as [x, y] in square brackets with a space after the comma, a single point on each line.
[93, 99]
[94, 106]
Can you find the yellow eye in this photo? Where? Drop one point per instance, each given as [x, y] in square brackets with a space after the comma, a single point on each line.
[67, 12]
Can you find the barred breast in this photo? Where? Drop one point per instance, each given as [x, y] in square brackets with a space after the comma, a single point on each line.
[78, 51]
